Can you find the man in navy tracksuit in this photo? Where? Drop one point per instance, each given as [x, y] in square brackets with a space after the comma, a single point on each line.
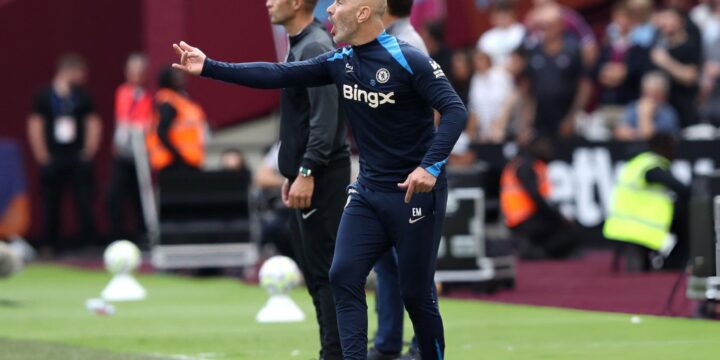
[388, 90]
[388, 342]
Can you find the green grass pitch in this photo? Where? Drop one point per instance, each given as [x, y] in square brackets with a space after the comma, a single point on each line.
[42, 316]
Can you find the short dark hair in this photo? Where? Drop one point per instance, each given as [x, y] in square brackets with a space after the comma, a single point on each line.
[168, 79]
[663, 143]
[621, 5]
[539, 145]
[399, 8]
[503, 6]
[675, 10]
[436, 30]
[71, 61]
[714, 4]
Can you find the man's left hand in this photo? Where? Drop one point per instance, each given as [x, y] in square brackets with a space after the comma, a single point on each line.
[419, 181]
[301, 192]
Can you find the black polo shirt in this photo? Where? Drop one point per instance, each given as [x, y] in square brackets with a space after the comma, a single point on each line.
[554, 80]
[64, 120]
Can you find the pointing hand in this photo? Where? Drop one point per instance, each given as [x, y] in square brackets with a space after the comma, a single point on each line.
[191, 58]
[419, 181]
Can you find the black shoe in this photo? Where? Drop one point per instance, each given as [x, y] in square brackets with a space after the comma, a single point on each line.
[375, 354]
[412, 354]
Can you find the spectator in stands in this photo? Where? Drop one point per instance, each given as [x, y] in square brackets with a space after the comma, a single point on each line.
[460, 73]
[710, 81]
[572, 24]
[620, 67]
[644, 32]
[397, 23]
[462, 154]
[491, 89]
[651, 113]
[176, 141]
[273, 214]
[559, 87]
[433, 34]
[515, 109]
[702, 14]
[505, 36]
[679, 57]
[642, 210]
[64, 134]
[234, 160]
[704, 17]
[692, 29]
[133, 113]
[268, 175]
[524, 193]
[709, 25]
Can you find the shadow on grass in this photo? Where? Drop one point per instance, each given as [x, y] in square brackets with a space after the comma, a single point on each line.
[37, 350]
[10, 303]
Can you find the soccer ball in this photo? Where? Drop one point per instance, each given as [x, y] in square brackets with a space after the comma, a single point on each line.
[121, 256]
[279, 274]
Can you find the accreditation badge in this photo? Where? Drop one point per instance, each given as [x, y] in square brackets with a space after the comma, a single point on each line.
[65, 129]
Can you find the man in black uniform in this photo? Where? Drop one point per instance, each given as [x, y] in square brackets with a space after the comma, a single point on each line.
[315, 160]
[64, 134]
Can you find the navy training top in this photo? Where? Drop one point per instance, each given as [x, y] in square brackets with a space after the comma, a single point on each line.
[388, 90]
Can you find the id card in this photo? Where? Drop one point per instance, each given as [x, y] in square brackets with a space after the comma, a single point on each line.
[65, 129]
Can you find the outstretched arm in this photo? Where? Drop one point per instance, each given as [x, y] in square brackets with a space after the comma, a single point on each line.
[309, 73]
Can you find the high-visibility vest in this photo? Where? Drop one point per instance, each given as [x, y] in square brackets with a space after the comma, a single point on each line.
[640, 213]
[515, 202]
[187, 132]
[133, 105]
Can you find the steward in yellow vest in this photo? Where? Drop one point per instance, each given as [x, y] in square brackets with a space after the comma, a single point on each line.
[642, 205]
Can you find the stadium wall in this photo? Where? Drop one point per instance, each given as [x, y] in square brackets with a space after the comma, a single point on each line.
[34, 33]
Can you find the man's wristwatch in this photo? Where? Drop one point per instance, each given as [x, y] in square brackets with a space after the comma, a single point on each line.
[305, 172]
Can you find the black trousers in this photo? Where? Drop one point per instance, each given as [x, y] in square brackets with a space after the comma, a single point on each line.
[314, 231]
[124, 189]
[54, 178]
[547, 237]
[638, 258]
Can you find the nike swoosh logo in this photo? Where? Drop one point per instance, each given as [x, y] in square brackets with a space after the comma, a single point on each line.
[308, 214]
[412, 221]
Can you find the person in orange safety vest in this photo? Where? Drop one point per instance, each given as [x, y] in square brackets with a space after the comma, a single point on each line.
[176, 140]
[524, 192]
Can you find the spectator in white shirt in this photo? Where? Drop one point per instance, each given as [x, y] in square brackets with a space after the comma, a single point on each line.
[506, 35]
[491, 89]
[709, 23]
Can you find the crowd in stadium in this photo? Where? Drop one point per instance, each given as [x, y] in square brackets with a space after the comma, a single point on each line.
[537, 78]
[654, 68]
